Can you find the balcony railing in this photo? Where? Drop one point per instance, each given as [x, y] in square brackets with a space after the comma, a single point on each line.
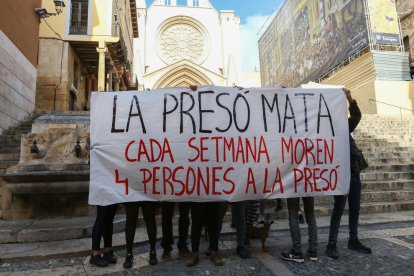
[78, 27]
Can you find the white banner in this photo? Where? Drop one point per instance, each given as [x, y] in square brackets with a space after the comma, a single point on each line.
[218, 144]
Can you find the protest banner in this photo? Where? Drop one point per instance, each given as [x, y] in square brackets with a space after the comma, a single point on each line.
[218, 144]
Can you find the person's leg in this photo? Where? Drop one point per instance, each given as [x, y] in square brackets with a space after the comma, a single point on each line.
[197, 220]
[148, 211]
[109, 226]
[107, 233]
[183, 225]
[131, 211]
[212, 213]
[295, 253]
[354, 201]
[239, 214]
[97, 232]
[339, 206]
[253, 206]
[222, 212]
[309, 206]
[167, 212]
[262, 207]
[293, 208]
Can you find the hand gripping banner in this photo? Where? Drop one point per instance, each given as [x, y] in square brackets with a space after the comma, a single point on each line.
[218, 144]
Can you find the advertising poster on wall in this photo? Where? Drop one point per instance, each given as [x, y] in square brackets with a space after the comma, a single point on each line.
[307, 38]
[384, 22]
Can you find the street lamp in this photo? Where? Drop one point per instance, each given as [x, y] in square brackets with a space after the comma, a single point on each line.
[42, 13]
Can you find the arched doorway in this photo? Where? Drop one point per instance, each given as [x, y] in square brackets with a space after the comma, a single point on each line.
[182, 76]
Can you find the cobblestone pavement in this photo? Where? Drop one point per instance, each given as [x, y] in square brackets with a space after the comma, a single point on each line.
[392, 244]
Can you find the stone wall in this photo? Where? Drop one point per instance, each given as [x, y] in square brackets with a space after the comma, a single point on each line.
[17, 84]
[56, 76]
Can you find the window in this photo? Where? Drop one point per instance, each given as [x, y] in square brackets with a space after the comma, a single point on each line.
[168, 2]
[196, 3]
[79, 17]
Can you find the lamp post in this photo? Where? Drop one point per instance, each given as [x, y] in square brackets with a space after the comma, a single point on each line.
[42, 13]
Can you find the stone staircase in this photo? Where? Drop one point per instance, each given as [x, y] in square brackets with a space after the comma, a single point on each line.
[388, 145]
[10, 154]
[388, 184]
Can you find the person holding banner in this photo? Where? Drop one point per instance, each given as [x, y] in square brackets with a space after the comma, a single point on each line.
[148, 210]
[295, 253]
[204, 213]
[103, 227]
[167, 212]
[354, 196]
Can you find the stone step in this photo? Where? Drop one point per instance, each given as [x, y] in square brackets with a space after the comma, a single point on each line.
[388, 196]
[387, 149]
[10, 145]
[376, 143]
[387, 155]
[6, 164]
[15, 140]
[374, 196]
[9, 151]
[9, 157]
[14, 148]
[379, 207]
[387, 185]
[392, 160]
[381, 176]
[406, 167]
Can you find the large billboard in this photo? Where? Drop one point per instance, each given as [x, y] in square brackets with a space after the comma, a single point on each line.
[384, 22]
[307, 38]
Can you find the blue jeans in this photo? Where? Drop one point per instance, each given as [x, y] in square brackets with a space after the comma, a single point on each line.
[238, 210]
[293, 208]
[354, 202]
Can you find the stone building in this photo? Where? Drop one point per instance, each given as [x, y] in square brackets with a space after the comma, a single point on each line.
[88, 47]
[405, 9]
[19, 33]
[342, 44]
[186, 43]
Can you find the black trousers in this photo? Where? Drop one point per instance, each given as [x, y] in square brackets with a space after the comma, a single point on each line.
[167, 210]
[205, 212]
[103, 226]
[148, 211]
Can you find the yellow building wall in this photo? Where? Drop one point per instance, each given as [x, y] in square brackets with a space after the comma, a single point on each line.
[397, 93]
[100, 21]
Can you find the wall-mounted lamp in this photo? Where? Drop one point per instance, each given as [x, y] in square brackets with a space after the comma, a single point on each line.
[42, 13]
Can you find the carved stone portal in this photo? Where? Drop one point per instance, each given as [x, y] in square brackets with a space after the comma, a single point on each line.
[182, 41]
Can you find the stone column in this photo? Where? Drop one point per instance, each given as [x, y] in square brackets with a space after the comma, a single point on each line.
[101, 67]
[110, 72]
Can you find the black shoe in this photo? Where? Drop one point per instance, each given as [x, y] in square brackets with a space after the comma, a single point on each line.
[358, 246]
[97, 260]
[109, 257]
[129, 259]
[301, 220]
[293, 256]
[332, 251]
[153, 258]
[313, 256]
[242, 252]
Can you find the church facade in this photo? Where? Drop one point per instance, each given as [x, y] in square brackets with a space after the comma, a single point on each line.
[182, 44]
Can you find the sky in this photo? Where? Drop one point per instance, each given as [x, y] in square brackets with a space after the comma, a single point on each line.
[254, 14]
